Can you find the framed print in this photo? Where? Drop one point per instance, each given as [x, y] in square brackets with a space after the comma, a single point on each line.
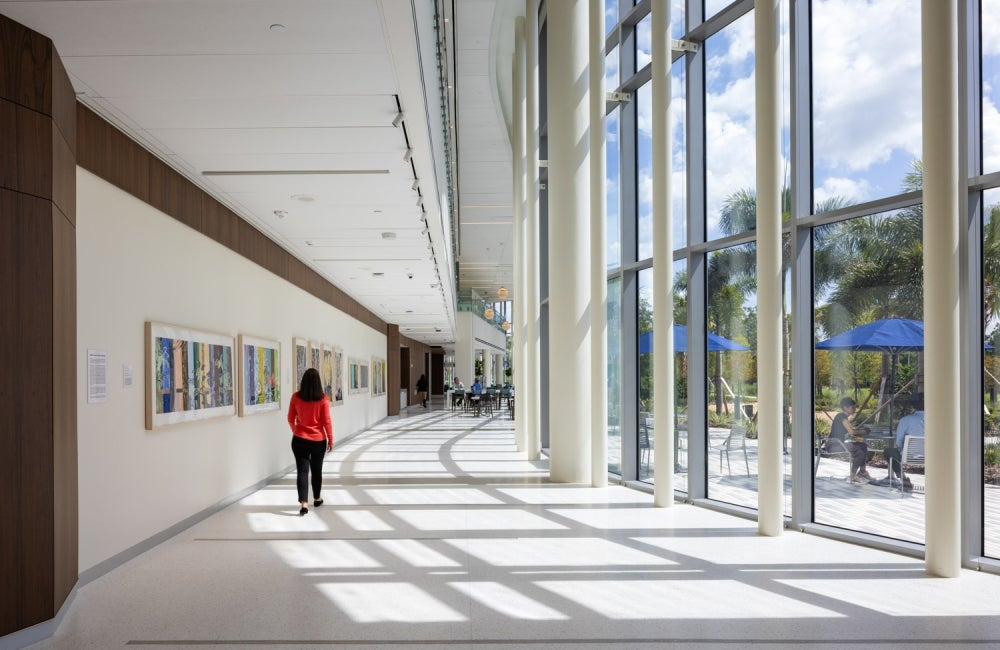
[315, 355]
[301, 360]
[358, 375]
[378, 376]
[326, 371]
[260, 371]
[338, 380]
[189, 375]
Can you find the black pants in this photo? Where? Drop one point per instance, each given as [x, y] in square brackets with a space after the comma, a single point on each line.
[893, 457]
[308, 455]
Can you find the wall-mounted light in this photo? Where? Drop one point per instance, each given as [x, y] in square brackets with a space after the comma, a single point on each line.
[396, 121]
[408, 155]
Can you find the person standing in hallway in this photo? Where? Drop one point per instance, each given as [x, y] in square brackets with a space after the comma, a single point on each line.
[312, 436]
[422, 389]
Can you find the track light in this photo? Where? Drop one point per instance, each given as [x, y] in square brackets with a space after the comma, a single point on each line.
[420, 199]
[416, 184]
[408, 155]
[396, 121]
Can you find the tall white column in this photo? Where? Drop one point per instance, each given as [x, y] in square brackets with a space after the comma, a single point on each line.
[770, 468]
[518, 322]
[530, 397]
[663, 260]
[568, 119]
[942, 304]
[598, 254]
[487, 367]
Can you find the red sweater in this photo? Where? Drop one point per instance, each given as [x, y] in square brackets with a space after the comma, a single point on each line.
[310, 420]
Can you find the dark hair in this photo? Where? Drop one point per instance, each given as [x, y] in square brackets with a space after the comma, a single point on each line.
[311, 388]
[917, 401]
[847, 401]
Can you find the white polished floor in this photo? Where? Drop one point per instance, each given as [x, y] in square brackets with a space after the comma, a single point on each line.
[436, 532]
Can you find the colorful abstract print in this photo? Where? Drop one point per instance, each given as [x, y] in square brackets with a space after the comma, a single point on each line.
[192, 375]
[261, 375]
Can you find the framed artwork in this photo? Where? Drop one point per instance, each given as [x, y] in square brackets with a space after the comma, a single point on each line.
[378, 376]
[326, 371]
[260, 375]
[301, 360]
[315, 356]
[338, 380]
[189, 375]
[358, 375]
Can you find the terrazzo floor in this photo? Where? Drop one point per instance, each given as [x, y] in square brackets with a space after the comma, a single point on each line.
[437, 533]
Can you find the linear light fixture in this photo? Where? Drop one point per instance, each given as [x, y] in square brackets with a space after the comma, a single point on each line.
[291, 172]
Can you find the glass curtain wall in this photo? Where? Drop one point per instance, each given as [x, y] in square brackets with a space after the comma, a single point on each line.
[990, 202]
[856, 203]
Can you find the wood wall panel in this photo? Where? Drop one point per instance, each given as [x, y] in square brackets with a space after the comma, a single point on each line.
[63, 102]
[8, 154]
[106, 152]
[219, 222]
[26, 471]
[65, 510]
[25, 66]
[34, 153]
[172, 194]
[63, 175]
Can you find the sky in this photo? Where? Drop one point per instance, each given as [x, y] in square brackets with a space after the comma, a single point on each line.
[866, 107]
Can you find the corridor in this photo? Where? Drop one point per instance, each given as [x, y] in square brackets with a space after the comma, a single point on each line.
[436, 532]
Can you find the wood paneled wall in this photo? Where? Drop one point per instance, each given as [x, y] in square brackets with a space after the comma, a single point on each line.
[392, 368]
[39, 540]
[112, 155]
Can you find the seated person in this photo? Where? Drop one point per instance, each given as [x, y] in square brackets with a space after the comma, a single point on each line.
[851, 436]
[910, 425]
[458, 384]
[477, 386]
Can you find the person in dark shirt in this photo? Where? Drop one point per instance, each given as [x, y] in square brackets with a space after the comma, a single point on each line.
[853, 439]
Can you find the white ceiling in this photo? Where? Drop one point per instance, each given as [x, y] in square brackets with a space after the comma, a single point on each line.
[303, 113]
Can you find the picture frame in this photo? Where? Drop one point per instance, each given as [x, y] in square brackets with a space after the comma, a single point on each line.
[358, 376]
[301, 361]
[327, 371]
[378, 376]
[259, 376]
[338, 380]
[189, 375]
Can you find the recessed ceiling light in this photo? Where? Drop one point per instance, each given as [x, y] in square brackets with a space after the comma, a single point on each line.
[388, 235]
[277, 27]
[305, 198]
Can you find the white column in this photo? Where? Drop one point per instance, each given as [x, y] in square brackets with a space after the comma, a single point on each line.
[942, 304]
[770, 469]
[487, 368]
[663, 260]
[518, 323]
[531, 394]
[598, 254]
[569, 243]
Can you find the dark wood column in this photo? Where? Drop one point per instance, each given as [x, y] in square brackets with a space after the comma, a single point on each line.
[39, 535]
[392, 368]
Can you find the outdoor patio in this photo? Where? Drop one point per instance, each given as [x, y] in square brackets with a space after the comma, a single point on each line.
[878, 510]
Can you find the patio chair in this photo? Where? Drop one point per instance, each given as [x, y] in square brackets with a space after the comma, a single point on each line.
[644, 445]
[833, 448]
[737, 439]
[912, 453]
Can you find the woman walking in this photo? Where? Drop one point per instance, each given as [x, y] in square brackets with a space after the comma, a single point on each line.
[312, 436]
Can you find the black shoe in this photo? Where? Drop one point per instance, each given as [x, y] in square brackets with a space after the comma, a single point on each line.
[318, 502]
[303, 511]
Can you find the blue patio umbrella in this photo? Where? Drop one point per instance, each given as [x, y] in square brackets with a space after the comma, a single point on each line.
[889, 336]
[716, 343]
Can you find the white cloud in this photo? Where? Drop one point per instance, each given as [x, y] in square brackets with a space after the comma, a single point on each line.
[991, 27]
[991, 136]
[866, 82]
[851, 189]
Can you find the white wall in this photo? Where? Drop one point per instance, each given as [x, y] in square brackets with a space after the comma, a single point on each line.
[135, 264]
